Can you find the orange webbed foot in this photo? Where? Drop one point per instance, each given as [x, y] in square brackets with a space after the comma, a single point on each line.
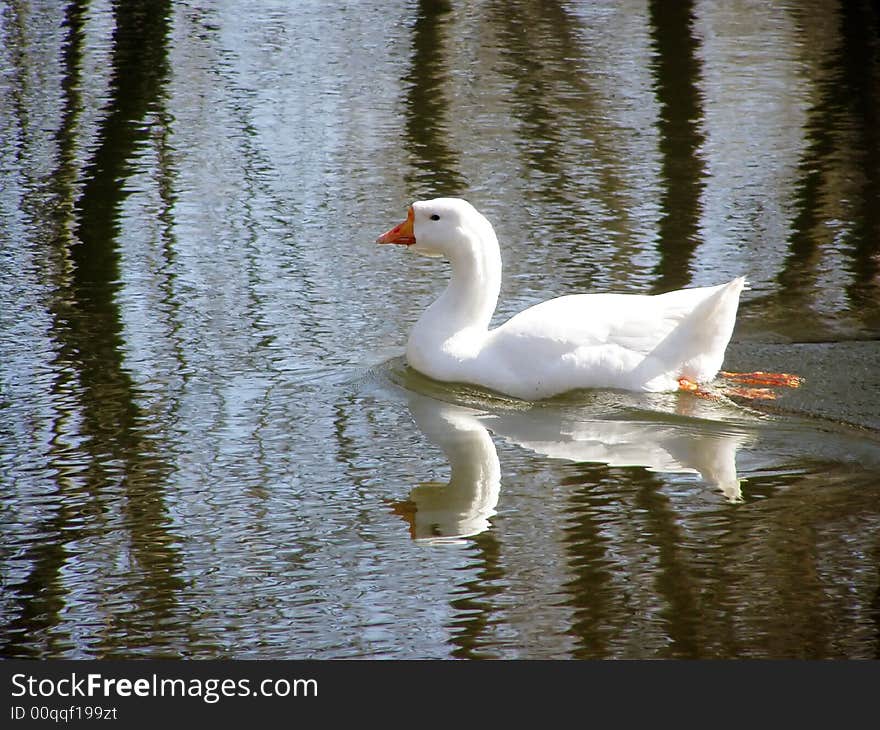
[751, 393]
[759, 377]
[756, 385]
[689, 386]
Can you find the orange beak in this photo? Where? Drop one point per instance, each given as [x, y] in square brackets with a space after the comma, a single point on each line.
[402, 233]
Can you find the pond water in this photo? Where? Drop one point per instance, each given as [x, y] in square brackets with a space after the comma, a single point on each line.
[210, 442]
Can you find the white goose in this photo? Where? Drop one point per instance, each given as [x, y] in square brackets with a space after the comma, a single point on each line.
[634, 342]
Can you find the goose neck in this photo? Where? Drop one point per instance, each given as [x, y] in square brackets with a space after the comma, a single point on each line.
[472, 294]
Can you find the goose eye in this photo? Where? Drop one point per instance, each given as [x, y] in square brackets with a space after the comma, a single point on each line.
[435, 217]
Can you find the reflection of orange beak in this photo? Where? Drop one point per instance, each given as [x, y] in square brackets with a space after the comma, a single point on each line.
[402, 233]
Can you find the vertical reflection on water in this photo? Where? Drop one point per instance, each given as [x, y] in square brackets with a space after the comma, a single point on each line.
[118, 449]
[475, 613]
[799, 266]
[435, 166]
[40, 596]
[528, 49]
[677, 71]
[569, 143]
[590, 589]
[653, 545]
[170, 304]
[65, 177]
[860, 93]
[843, 152]
[674, 583]
[95, 325]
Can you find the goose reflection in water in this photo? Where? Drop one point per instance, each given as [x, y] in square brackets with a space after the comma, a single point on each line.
[439, 512]
[678, 441]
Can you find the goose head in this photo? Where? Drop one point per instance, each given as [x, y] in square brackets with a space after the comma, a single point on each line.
[448, 227]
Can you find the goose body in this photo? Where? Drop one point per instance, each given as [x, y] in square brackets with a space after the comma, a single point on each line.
[627, 341]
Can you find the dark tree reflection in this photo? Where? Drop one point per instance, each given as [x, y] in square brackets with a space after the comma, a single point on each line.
[435, 166]
[677, 73]
[87, 326]
[843, 135]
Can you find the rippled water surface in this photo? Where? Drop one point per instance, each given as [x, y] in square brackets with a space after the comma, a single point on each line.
[210, 443]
